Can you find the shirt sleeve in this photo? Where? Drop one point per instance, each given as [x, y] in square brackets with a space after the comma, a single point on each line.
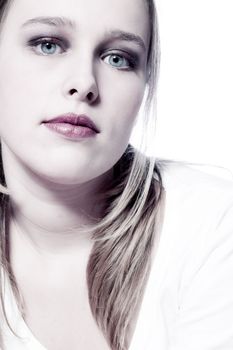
[205, 317]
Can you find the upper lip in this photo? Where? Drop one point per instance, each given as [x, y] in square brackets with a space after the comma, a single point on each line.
[75, 119]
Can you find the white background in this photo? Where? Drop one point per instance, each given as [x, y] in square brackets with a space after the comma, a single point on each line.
[195, 102]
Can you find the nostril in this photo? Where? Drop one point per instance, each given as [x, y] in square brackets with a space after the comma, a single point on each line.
[90, 96]
[73, 91]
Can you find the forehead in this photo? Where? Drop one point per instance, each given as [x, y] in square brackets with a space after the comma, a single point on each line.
[87, 15]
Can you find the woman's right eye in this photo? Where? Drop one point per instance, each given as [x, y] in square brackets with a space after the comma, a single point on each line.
[48, 46]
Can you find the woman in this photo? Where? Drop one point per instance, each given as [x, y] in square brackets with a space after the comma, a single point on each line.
[93, 254]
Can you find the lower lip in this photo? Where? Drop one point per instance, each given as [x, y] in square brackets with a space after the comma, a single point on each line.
[71, 131]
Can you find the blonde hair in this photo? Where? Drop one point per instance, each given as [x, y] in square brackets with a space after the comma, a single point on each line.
[125, 237]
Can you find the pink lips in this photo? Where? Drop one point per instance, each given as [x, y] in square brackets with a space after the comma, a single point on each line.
[73, 126]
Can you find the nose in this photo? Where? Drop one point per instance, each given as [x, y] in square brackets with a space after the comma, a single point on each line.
[81, 84]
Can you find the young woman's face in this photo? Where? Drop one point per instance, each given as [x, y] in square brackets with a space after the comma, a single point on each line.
[71, 63]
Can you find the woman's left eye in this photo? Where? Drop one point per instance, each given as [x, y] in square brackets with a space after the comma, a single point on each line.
[48, 46]
[119, 61]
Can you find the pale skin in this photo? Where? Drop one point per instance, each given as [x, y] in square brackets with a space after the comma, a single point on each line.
[55, 180]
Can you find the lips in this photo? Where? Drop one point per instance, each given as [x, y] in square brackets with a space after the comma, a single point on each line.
[74, 119]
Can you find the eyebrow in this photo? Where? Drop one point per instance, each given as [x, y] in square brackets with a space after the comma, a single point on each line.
[51, 21]
[65, 22]
[130, 37]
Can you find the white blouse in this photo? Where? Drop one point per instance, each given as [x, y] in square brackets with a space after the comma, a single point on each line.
[188, 300]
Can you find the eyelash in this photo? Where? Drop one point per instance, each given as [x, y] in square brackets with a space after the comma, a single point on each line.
[34, 43]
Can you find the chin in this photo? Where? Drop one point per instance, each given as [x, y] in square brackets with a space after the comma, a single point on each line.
[70, 177]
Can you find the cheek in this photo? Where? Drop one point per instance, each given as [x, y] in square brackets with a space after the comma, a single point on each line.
[126, 100]
[122, 107]
[12, 97]
[21, 94]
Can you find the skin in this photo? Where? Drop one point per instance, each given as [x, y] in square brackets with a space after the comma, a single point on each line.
[54, 181]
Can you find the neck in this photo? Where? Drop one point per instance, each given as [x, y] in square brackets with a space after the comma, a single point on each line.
[50, 216]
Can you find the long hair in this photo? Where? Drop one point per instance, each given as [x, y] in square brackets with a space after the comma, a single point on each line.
[125, 238]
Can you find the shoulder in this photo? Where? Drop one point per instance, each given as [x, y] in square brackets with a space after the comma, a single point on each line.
[191, 274]
[187, 172]
[198, 214]
[198, 219]
[185, 182]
